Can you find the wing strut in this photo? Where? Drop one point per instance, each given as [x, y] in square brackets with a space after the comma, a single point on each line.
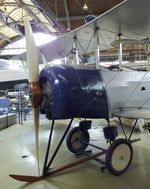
[76, 50]
[120, 51]
[97, 47]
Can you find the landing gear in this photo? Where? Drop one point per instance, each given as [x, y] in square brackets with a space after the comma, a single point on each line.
[77, 140]
[119, 156]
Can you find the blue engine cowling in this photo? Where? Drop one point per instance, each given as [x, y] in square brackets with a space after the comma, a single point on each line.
[73, 91]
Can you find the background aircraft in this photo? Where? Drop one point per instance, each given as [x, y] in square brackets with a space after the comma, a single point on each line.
[85, 91]
[9, 76]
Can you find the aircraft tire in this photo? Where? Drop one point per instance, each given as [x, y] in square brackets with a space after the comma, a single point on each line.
[75, 140]
[119, 156]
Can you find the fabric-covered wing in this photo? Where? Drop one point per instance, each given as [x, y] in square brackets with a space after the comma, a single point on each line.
[133, 113]
[84, 36]
[131, 18]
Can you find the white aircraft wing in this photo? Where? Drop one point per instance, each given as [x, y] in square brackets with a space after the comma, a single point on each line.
[131, 18]
[138, 66]
[142, 113]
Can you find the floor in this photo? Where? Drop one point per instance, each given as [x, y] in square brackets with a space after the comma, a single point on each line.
[18, 156]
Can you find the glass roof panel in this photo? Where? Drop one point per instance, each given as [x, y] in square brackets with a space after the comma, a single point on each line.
[16, 10]
[8, 32]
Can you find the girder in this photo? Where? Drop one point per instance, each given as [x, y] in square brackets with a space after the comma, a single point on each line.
[6, 20]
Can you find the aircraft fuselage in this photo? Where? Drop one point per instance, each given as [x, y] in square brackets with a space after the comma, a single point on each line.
[83, 91]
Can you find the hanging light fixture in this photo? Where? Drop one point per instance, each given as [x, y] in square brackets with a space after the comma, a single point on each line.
[85, 7]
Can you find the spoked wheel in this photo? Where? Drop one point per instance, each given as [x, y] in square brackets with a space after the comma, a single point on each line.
[119, 156]
[77, 140]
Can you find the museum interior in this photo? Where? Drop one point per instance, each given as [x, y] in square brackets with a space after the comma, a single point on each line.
[74, 94]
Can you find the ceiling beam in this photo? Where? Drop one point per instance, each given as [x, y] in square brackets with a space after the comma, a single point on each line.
[79, 17]
[37, 20]
[50, 15]
[67, 15]
[6, 20]
[14, 4]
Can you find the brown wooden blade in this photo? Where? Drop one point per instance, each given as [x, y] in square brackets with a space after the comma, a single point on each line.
[26, 178]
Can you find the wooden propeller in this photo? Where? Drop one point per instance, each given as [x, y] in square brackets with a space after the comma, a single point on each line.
[33, 77]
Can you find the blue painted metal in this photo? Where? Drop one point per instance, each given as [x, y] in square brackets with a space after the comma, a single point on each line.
[77, 91]
[89, 18]
[4, 105]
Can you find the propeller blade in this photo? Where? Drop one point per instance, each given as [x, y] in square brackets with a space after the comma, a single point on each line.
[33, 75]
[32, 54]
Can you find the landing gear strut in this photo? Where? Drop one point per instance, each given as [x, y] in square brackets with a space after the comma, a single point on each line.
[118, 156]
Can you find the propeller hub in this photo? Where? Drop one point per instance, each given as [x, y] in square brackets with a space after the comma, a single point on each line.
[36, 94]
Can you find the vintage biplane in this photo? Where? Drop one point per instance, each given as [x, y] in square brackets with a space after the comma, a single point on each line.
[69, 91]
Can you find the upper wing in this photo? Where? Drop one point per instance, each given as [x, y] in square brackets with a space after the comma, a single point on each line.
[131, 18]
[84, 37]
